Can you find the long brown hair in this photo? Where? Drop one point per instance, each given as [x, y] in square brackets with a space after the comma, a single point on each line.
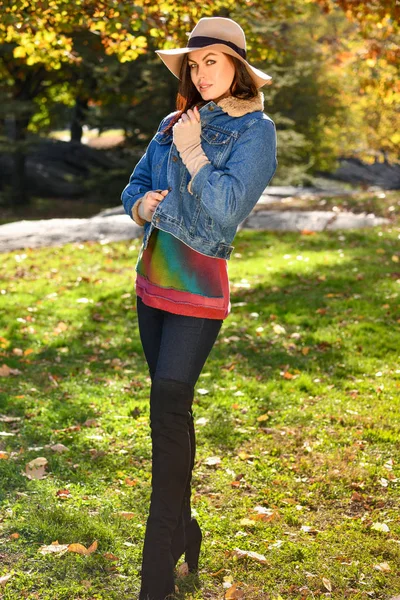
[242, 86]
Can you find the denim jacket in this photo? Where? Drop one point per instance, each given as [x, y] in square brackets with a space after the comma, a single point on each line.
[239, 140]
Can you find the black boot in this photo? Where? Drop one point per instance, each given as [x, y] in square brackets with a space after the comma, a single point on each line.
[187, 536]
[170, 403]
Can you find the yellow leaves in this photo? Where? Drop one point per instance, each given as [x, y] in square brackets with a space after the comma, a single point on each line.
[19, 52]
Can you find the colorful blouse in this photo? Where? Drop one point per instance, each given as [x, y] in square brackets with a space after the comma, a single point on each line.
[173, 277]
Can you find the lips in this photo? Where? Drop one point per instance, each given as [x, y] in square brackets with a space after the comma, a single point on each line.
[204, 87]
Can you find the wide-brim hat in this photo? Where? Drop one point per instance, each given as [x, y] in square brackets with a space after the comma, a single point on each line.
[221, 34]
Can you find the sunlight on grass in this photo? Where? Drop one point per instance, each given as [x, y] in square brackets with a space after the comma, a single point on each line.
[299, 400]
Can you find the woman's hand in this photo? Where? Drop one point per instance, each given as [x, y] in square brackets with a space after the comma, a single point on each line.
[150, 202]
[187, 139]
[186, 132]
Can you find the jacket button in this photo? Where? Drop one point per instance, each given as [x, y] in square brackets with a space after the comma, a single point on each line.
[174, 158]
[210, 108]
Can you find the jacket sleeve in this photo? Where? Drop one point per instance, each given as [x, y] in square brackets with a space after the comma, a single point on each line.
[140, 181]
[229, 194]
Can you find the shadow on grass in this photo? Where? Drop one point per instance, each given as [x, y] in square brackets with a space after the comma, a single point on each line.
[338, 311]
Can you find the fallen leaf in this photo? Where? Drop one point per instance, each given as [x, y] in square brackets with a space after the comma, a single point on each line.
[380, 527]
[278, 329]
[125, 514]
[327, 584]
[310, 529]
[3, 455]
[63, 494]
[5, 371]
[183, 570]
[5, 578]
[383, 567]
[54, 548]
[91, 423]
[263, 418]
[7, 419]
[233, 593]
[219, 572]
[80, 549]
[59, 448]
[35, 469]
[110, 556]
[247, 521]
[212, 461]
[242, 553]
[131, 482]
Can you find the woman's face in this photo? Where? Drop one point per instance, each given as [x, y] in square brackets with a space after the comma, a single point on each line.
[212, 73]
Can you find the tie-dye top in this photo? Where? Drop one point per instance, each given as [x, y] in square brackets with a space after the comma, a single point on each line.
[172, 276]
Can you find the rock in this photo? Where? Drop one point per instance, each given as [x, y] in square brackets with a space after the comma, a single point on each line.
[314, 220]
[56, 232]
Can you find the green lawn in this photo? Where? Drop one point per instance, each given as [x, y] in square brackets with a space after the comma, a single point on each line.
[299, 399]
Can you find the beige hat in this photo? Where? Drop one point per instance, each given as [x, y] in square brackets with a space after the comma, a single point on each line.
[219, 33]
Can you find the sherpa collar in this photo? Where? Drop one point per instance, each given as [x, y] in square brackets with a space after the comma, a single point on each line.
[237, 107]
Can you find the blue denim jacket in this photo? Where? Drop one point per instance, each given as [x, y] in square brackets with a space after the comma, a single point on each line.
[239, 139]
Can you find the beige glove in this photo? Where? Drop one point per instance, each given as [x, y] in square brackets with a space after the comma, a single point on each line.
[186, 137]
[144, 208]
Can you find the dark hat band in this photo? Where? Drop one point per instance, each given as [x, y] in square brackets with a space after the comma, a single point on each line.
[200, 41]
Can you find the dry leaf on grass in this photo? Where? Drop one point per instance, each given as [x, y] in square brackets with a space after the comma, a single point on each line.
[380, 527]
[383, 567]
[212, 461]
[233, 593]
[63, 494]
[182, 570]
[59, 448]
[54, 548]
[6, 371]
[5, 578]
[125, 514]
[80, 549]
[327, 584]
[7, 419]
[35, 469]
[242, 553]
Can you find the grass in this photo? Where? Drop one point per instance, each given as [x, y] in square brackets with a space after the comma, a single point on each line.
[299, 399]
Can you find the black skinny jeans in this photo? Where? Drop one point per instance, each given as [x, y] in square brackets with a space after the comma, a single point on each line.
[176, 348]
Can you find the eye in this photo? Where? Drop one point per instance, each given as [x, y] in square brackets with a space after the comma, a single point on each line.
[211, 61]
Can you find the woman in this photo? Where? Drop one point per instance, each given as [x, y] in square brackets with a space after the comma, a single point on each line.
[200, 177]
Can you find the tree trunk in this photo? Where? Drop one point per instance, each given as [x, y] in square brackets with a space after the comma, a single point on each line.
[78, 118]
[16, 133]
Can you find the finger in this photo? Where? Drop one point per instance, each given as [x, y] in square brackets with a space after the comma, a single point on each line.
[197, 114]
[191, 115]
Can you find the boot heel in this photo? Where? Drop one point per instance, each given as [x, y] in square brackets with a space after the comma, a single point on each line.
[193, 543]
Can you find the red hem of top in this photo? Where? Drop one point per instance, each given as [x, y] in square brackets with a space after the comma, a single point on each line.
[180, 308]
